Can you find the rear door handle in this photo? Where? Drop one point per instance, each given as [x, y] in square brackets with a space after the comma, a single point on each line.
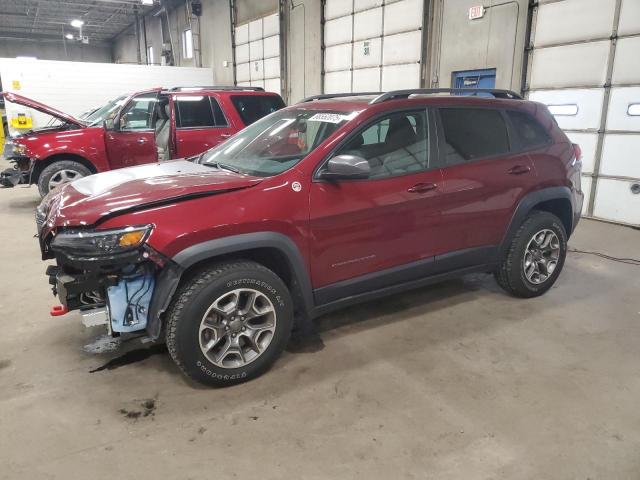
[142, 141]
[422, 187]
[225, 135]
[519, 170]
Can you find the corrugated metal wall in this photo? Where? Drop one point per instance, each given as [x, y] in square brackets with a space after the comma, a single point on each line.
[585, 65]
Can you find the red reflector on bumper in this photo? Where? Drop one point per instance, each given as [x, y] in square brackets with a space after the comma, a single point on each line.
[58, 310]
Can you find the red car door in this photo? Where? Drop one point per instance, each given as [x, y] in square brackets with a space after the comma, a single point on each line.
[482, 180]
[200, 124]
[131, 140]
[364, 226]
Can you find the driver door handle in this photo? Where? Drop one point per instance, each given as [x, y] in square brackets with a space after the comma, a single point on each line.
[225, 135]
[142, 140]
[519, 170]
[422, 187]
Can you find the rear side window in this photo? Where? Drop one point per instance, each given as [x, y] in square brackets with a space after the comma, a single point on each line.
[254, 107]
[528, 132]
[195, 111]
[473, 133]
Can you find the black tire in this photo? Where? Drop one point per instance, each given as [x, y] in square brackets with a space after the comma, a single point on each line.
[192, 301]
[510, 274]
[55, 168]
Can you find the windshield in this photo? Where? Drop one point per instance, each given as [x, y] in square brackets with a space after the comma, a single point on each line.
[277, 142]
[106, 111]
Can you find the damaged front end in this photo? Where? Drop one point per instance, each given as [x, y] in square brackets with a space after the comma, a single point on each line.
[108, 275]
[22, 167]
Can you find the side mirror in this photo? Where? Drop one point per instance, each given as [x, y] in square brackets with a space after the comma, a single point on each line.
[110, 124]
[346, 167]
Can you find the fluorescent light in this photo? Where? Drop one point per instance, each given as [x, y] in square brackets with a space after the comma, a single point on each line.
[69, 36]
[77, 23]
[633, 109]
[564, 110]
[146, 2]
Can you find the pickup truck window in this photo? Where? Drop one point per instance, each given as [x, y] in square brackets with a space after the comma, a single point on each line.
[198, 111]
[253, 107]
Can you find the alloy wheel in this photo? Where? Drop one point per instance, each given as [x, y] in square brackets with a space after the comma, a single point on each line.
[237, 328]
[541, 256]
[63, 176]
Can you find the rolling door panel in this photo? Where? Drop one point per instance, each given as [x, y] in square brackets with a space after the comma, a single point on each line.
[620, 156]
[582, 64]
[616, 201]
[622, 105]
[588, 143]
[373, 56]
[590, 19]
[367, 24]
[626, 66]
[257, 53]
[368, 41]
[402, 16]
[367, 79]
[338, 31]
[396, 77]
[337, 57]
[271, 46]
[586, 102]
[629, 17]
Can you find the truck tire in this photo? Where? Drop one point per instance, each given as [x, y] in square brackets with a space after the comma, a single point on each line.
[60, 172]
[534, 256]
[229, 322]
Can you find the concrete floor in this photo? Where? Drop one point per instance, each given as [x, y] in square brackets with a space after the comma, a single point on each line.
[457, 381]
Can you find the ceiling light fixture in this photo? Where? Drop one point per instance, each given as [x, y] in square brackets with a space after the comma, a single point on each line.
[77, 23]
[146, 2]
[69, 36]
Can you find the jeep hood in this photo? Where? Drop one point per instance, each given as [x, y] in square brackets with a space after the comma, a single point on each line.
[88, 200]
[41, 107]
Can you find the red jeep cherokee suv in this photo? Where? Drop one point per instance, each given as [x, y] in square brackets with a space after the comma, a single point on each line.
[145, 127]
[335, 200]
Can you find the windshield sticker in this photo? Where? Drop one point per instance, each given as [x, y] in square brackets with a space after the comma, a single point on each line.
[327, 117]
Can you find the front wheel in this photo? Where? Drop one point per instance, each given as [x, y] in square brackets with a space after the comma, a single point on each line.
[534, 257]
[229, 322]
[59, 173]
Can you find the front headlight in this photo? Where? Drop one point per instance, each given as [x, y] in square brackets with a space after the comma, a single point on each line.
[105, 242]
[19, 149]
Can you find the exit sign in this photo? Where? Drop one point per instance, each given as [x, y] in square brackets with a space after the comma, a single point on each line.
[476, 12]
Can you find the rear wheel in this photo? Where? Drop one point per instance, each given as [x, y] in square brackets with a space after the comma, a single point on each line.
[59, 173]
[229, 323]
[535, 256]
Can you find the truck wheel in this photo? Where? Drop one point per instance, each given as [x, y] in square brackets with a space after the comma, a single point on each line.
[229, 322]
[534, 257]
[58, 173]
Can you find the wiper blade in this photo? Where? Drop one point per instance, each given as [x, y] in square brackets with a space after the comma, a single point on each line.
[223, 166]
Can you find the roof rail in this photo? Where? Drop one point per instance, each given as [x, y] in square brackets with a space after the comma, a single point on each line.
[216, 87]
[326, 96]
[507, 94]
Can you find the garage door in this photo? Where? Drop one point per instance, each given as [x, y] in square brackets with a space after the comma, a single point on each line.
[585, 67]
[372, 45]
[257, 53]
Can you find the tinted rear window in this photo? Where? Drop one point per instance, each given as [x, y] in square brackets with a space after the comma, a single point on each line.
[473, 133]
[528, 132]
[194, 111]
[254, 107]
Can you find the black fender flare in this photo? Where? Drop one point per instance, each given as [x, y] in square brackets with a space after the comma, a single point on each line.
[528, 202]
[169, 278]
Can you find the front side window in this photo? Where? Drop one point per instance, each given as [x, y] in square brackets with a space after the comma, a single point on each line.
[394, 145]
[138, 114]
[472, 133]
[198, 111]
[276, 142]
[253, 107]
[106, 112]
[528, 132]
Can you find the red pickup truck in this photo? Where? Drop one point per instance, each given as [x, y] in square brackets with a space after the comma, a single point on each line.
[144, 127]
